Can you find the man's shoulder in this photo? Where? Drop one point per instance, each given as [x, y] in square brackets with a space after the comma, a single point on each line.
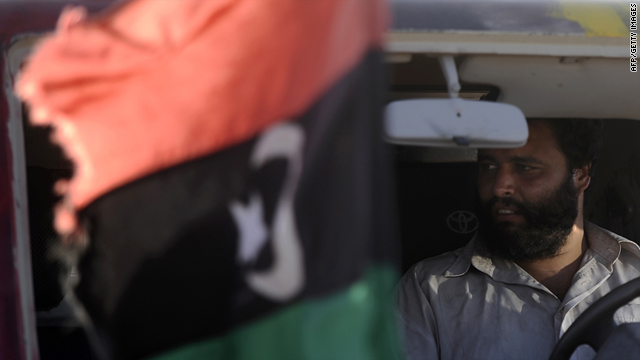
[435, 266]
[627, 247]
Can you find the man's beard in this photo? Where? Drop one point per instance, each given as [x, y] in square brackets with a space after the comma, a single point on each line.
[547, 225]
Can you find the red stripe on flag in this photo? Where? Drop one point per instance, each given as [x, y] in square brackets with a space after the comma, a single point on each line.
[151, 83]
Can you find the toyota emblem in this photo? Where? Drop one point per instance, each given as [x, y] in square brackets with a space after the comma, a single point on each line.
[462, 222]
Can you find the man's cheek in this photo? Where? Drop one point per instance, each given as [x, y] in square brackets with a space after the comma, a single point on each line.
[484, 193]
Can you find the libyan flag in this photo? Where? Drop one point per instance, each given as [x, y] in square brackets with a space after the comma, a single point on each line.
[231, 181]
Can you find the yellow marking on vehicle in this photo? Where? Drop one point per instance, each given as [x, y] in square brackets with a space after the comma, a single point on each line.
[597, 20]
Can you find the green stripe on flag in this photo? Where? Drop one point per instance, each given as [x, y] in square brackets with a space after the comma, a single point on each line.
[355, 323]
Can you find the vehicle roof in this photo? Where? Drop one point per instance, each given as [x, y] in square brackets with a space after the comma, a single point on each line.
[555, 28]
[585, 18]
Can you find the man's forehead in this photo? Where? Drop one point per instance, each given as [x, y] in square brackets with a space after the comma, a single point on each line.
[541, 147]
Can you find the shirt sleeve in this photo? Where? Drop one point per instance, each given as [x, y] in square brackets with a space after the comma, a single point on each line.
[417, 319]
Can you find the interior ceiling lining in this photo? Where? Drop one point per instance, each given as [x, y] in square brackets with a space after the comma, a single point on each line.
[559, 86]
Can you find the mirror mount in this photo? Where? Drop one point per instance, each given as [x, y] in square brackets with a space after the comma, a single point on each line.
[448, 66]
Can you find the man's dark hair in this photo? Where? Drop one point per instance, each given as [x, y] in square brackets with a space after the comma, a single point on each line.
[580, 140]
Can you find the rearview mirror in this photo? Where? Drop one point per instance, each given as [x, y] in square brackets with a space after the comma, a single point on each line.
[455, 122]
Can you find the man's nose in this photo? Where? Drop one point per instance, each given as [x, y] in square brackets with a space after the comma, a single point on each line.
[504, 184]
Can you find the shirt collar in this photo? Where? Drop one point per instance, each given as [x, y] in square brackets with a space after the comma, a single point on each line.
[604, 244]
[463, 262]
[607, 246]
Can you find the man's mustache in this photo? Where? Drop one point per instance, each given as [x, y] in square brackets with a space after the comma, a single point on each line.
[506, 201]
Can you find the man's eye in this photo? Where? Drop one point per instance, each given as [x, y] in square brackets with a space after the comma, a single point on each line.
[522, 167]
[487, 166]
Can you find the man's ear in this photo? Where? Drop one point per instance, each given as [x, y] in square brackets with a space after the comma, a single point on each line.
[581, 177]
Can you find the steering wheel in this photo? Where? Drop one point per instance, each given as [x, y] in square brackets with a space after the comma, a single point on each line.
[595, 325]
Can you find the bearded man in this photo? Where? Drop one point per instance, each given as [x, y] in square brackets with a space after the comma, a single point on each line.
[533, 267]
